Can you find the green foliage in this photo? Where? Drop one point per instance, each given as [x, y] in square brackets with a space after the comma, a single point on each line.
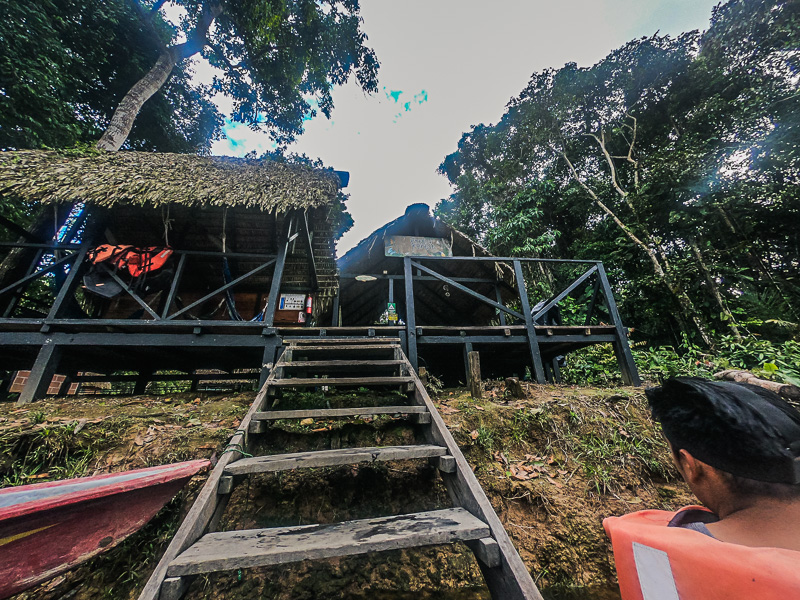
[65, 64]
[279, 60]
[597, 365]
[675, 161]
[47, 452]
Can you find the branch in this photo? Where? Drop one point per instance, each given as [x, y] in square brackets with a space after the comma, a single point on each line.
[632, 236]
[197, 39]
[146, 17]
[614, 181]
[630, 151]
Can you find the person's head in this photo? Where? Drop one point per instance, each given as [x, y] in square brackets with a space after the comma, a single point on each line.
[730, 438]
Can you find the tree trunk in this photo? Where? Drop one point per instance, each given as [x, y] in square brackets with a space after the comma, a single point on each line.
[714, 290]
[757, 264]
[121, 123]
[782, 389]
[686, 304]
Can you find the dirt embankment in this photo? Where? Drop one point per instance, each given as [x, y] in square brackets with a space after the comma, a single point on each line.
[553, 465]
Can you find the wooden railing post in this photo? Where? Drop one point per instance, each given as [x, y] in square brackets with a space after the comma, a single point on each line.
[411, 321]
[630, 374]
[536, 356]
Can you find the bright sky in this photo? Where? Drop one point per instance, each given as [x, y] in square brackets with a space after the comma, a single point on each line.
[447, 65]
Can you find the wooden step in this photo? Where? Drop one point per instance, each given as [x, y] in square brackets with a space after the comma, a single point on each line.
[230, 550]
[321, 341]
[333, 413]
[337, 349]
[323, 365]
[331, 458]
[341, 381]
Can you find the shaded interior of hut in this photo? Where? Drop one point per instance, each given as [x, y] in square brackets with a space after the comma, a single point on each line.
[368, 276]
[173, 257]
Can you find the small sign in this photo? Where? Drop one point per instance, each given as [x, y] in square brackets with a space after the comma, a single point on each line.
[391, 310]
[292, 302]
[404, 245]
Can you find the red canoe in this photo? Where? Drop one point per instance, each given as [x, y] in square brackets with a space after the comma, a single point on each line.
[48, 528]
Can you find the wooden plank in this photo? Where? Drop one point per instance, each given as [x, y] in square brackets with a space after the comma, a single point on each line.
[173, 588]
[355, 340]
[332, 413]
[486, 550]
[259, 547]
[340, 381]
[331, 458]
[446, 464]
[337, 349]
[475, 386]
[335, 364]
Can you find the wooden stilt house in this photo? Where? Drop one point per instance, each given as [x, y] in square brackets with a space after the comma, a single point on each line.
[143, 262]
[447, 296]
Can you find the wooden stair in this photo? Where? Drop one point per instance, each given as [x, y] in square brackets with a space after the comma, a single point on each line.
[196, 548]
[260, 547]
[330, 458]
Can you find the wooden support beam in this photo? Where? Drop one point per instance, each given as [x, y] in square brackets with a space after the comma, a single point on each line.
[336, 317]
[533, 343]
[41, 374]
[219, 290]
[511, 579]
[592, 302]
[564, 293]
[467, 290]
[130, 291]
[475, 386]
[306, 239]
[173, 288]
[71, 281]
[630, 374]
[277, 275]
[499, 297]
[411, 320]
[35, 275]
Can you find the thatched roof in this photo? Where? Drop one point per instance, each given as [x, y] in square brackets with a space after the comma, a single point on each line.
[362, 302]
[417, 216]
[153, 179]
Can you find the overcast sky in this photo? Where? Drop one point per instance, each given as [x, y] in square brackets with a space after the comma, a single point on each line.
[447, 65]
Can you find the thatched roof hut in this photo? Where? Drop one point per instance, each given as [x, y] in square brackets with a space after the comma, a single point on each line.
[363, 302]
[193, 203]
[156, 179]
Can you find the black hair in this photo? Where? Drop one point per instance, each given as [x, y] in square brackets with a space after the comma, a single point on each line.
[746, 431]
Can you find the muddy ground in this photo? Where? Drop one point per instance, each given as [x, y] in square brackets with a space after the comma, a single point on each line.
[553, 464]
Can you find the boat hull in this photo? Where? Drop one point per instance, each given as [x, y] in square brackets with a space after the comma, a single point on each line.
[53, 532]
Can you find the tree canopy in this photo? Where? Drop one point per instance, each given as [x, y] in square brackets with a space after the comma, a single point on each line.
[276, 59]
[674, 160]
[65, 64]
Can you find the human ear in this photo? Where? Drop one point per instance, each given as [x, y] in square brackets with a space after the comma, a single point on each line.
[688, 465]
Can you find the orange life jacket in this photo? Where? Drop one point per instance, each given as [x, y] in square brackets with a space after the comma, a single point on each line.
[137, 261]
[656, 562]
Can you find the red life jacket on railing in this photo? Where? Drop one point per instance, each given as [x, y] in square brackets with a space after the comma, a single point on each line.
[137, 261]
[656, 562]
